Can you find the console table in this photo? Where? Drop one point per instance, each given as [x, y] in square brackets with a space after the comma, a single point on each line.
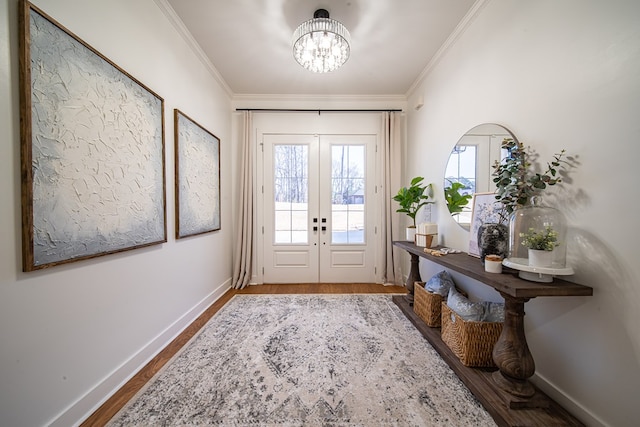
[518, 399]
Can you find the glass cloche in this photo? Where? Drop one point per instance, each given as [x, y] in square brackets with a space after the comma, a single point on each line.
[537, 242]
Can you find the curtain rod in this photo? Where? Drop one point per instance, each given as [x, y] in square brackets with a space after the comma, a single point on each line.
[318, 110]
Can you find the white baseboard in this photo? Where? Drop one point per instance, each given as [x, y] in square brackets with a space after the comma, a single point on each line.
[574, 408]
[86, 405]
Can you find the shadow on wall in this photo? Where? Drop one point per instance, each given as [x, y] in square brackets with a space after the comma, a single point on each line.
[598, 266]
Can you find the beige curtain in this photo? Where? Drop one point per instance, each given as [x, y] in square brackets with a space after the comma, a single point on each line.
[243, 254]
[392, 163]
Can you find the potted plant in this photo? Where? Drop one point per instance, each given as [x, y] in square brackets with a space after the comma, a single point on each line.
[411, 199]
[540, 244]
[456, 201]
[516, 183]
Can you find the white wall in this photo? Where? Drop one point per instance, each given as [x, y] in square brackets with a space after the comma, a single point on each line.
[71, 334]
[558, 74]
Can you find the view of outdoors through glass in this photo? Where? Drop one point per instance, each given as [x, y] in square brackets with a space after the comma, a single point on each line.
[347, 193]
[462, 168]
[291, 194]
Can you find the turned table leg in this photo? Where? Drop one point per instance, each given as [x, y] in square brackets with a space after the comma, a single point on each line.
[414, 276]
[511, 353]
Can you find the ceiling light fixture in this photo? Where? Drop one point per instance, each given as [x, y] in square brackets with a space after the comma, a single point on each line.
[321, 44]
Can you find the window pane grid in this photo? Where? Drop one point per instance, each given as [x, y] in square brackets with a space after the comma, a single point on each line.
[291, 194]
[347, 196]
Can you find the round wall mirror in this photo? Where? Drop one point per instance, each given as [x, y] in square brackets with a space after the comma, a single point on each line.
[469, 168]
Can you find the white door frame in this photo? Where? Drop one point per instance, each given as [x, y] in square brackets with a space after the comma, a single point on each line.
[315, 123]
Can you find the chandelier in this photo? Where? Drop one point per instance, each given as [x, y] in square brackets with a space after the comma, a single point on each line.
[321, 44]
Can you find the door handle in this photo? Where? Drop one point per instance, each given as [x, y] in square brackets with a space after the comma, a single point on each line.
[324, 228]
[315, 228]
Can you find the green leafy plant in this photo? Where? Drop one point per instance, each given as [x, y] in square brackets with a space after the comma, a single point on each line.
[545, 240]
[412, 198]
[455, 200]
[515, 181]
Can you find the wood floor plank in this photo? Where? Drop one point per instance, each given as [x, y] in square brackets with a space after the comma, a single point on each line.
[120, 398]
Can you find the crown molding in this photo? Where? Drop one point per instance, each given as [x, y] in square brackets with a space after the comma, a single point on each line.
[466, 21]
[312, 101]
[177, 23]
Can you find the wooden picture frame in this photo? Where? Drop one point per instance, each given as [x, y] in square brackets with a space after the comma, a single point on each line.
[485, 209]
[92, 150]
[197, 183]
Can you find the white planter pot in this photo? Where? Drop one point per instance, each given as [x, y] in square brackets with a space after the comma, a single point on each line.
[538, 258]
[411, 234]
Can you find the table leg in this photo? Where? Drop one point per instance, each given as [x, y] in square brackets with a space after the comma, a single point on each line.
[414, 276]
[511, 353]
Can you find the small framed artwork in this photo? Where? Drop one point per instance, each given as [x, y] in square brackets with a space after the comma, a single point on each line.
[92, 150]
[485, 209]
[197, 183]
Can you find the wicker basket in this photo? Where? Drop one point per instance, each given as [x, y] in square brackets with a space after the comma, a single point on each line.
[427, 305]
[472, 342]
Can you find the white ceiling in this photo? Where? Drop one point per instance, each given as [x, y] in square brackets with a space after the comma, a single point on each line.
[249, 42]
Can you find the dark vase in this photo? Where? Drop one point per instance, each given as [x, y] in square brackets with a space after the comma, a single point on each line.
[493, 239]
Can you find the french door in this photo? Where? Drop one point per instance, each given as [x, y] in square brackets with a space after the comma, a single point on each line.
[318, 218]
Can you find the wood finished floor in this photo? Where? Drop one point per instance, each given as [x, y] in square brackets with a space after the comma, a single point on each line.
[102, 416]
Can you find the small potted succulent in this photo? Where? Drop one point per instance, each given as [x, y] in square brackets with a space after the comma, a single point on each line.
[540, 244]
[411, 199]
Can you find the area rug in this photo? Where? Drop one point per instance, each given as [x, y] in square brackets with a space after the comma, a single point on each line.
[306, 360]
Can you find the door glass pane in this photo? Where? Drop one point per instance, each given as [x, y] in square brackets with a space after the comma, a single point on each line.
[347, 194]
[291, 193]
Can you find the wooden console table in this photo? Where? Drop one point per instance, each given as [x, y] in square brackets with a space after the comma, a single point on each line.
[519, 401]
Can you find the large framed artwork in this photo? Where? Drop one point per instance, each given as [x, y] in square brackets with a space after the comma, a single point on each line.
[92, 150]
[485, 209]
[197, 178]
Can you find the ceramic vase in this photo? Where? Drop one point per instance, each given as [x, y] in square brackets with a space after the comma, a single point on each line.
[411, 234]
[493, 239]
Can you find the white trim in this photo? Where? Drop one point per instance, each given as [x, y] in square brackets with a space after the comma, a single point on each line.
[182, 30]
[449, 42]
[568, 403]
[86, 405]
[311, 101]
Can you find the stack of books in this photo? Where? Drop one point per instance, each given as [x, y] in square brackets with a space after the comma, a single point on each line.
[427, 235]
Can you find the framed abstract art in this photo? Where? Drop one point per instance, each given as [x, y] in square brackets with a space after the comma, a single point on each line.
[197, 178]
[92, 150]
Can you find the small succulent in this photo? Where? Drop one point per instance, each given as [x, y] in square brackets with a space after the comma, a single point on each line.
[544, 240]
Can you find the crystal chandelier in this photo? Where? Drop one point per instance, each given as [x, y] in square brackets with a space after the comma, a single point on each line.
[321, 44]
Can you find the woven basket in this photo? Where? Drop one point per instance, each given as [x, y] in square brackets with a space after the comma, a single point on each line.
[472, 342]
[427, 305]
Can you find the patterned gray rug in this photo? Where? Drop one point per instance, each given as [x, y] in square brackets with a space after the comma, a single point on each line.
[306, 360]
